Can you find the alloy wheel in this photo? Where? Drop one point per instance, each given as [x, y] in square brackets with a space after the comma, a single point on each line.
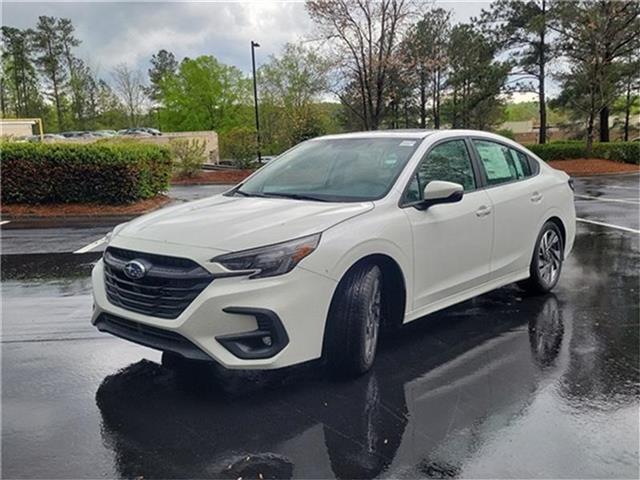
[549, 257]
[373, 322]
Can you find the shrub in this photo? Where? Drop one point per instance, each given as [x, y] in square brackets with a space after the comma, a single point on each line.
[239, 144]
[65, 173]
[188, 155]
[627, 152]
[559, 151]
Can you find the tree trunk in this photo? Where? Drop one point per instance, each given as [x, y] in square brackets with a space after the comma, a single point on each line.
[454, 113]
[604, 124]
[406, 115]
[627, 111]
[423, 99]
[590, 133]
[56, 96]
[542, 138]
[542, 104]
[2, 98]
[436, 105]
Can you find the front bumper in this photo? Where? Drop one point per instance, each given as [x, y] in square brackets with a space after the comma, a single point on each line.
[228, 309]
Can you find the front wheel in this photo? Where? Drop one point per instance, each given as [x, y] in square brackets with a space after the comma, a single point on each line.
[546, 263]
[351, 336]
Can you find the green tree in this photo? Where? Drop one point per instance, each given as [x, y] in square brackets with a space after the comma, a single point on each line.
[204, 94]
[109, 111]
[20, 91]
[78, 80]
[289, 87]
[163, 65]
[425, 57]
[475, 81]
[521, 28]
[49, 48]
[630, 77]
[595, 36]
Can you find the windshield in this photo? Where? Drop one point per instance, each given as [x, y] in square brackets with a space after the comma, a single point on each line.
[340, 170]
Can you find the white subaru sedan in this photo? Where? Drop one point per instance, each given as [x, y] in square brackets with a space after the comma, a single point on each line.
[341, 236]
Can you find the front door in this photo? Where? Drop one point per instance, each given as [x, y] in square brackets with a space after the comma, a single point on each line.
[451, 242]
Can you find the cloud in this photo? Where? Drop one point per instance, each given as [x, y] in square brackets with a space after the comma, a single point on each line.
[130, 32]
[114, 33]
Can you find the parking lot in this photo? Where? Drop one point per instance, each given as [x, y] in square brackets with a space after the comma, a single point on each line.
[505, 385]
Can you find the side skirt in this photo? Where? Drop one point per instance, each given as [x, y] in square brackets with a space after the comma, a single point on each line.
[466, 295]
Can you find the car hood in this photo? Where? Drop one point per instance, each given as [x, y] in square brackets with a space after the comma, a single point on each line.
[239, 223]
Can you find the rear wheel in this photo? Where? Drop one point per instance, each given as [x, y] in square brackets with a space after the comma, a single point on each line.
[351, 336]
[546, 263]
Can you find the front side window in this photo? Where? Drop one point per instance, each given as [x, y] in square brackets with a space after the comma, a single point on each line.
[449, 162]
[501, 163]
[341, 170]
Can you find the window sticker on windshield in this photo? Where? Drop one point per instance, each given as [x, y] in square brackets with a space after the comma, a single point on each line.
[407, 143]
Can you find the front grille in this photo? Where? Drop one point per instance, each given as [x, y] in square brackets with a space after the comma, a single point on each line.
[168, 287]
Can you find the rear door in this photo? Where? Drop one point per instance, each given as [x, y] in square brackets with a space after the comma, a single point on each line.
[517, 202]
[451, 242]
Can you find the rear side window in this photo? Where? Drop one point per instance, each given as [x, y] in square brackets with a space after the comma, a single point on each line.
[501, 163]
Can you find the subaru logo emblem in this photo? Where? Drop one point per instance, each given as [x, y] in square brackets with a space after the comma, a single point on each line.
[135, 270]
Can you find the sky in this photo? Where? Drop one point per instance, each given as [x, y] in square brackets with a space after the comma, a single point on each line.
[130, 32]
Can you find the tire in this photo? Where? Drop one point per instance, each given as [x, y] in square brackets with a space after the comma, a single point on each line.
[546, 263]
[353, 324]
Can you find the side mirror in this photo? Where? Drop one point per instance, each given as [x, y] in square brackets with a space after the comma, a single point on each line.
[441, 192]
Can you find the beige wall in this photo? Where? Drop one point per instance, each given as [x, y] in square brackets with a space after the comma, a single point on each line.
[210, 138]
[15, 128]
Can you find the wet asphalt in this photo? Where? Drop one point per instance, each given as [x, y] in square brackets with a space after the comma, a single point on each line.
[503, 386]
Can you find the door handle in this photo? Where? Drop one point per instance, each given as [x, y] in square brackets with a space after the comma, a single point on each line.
[483, 211]
[536, 197]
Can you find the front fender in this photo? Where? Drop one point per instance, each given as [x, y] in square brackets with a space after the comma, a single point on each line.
[386, 233]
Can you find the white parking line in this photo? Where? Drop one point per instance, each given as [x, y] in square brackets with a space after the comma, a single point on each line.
[4, 222]
[602, 224]
[615, 200]
[624, 188]
[91, 246]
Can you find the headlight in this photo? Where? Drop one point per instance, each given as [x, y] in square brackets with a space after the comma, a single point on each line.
[271, 260]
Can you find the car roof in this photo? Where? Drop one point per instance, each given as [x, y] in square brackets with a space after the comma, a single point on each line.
[414, 133]
[406, 133]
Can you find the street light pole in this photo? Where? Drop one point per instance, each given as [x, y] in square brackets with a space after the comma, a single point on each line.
[255, 95]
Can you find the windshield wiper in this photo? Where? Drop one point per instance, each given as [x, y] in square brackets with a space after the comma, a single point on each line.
[296, 196]
[247, 194]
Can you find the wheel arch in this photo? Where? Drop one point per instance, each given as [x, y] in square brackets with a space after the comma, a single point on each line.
[394, 286]
[563, 231]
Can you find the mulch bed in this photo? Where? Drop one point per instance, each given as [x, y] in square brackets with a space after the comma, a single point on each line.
[593, 166]
[82, 209]
[213, 177]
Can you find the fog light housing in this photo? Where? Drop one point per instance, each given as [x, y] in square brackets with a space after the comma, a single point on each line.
[265, 342]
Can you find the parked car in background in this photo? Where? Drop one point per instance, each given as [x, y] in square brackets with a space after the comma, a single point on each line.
[78, 134]
[104, 133]
[141, 131]
[45, 137]
[340, 235]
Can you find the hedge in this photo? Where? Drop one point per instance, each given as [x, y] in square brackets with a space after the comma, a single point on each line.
[111, 173]
[627, 152]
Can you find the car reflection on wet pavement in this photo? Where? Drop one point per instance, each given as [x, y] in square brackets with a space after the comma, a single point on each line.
[502, 386]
